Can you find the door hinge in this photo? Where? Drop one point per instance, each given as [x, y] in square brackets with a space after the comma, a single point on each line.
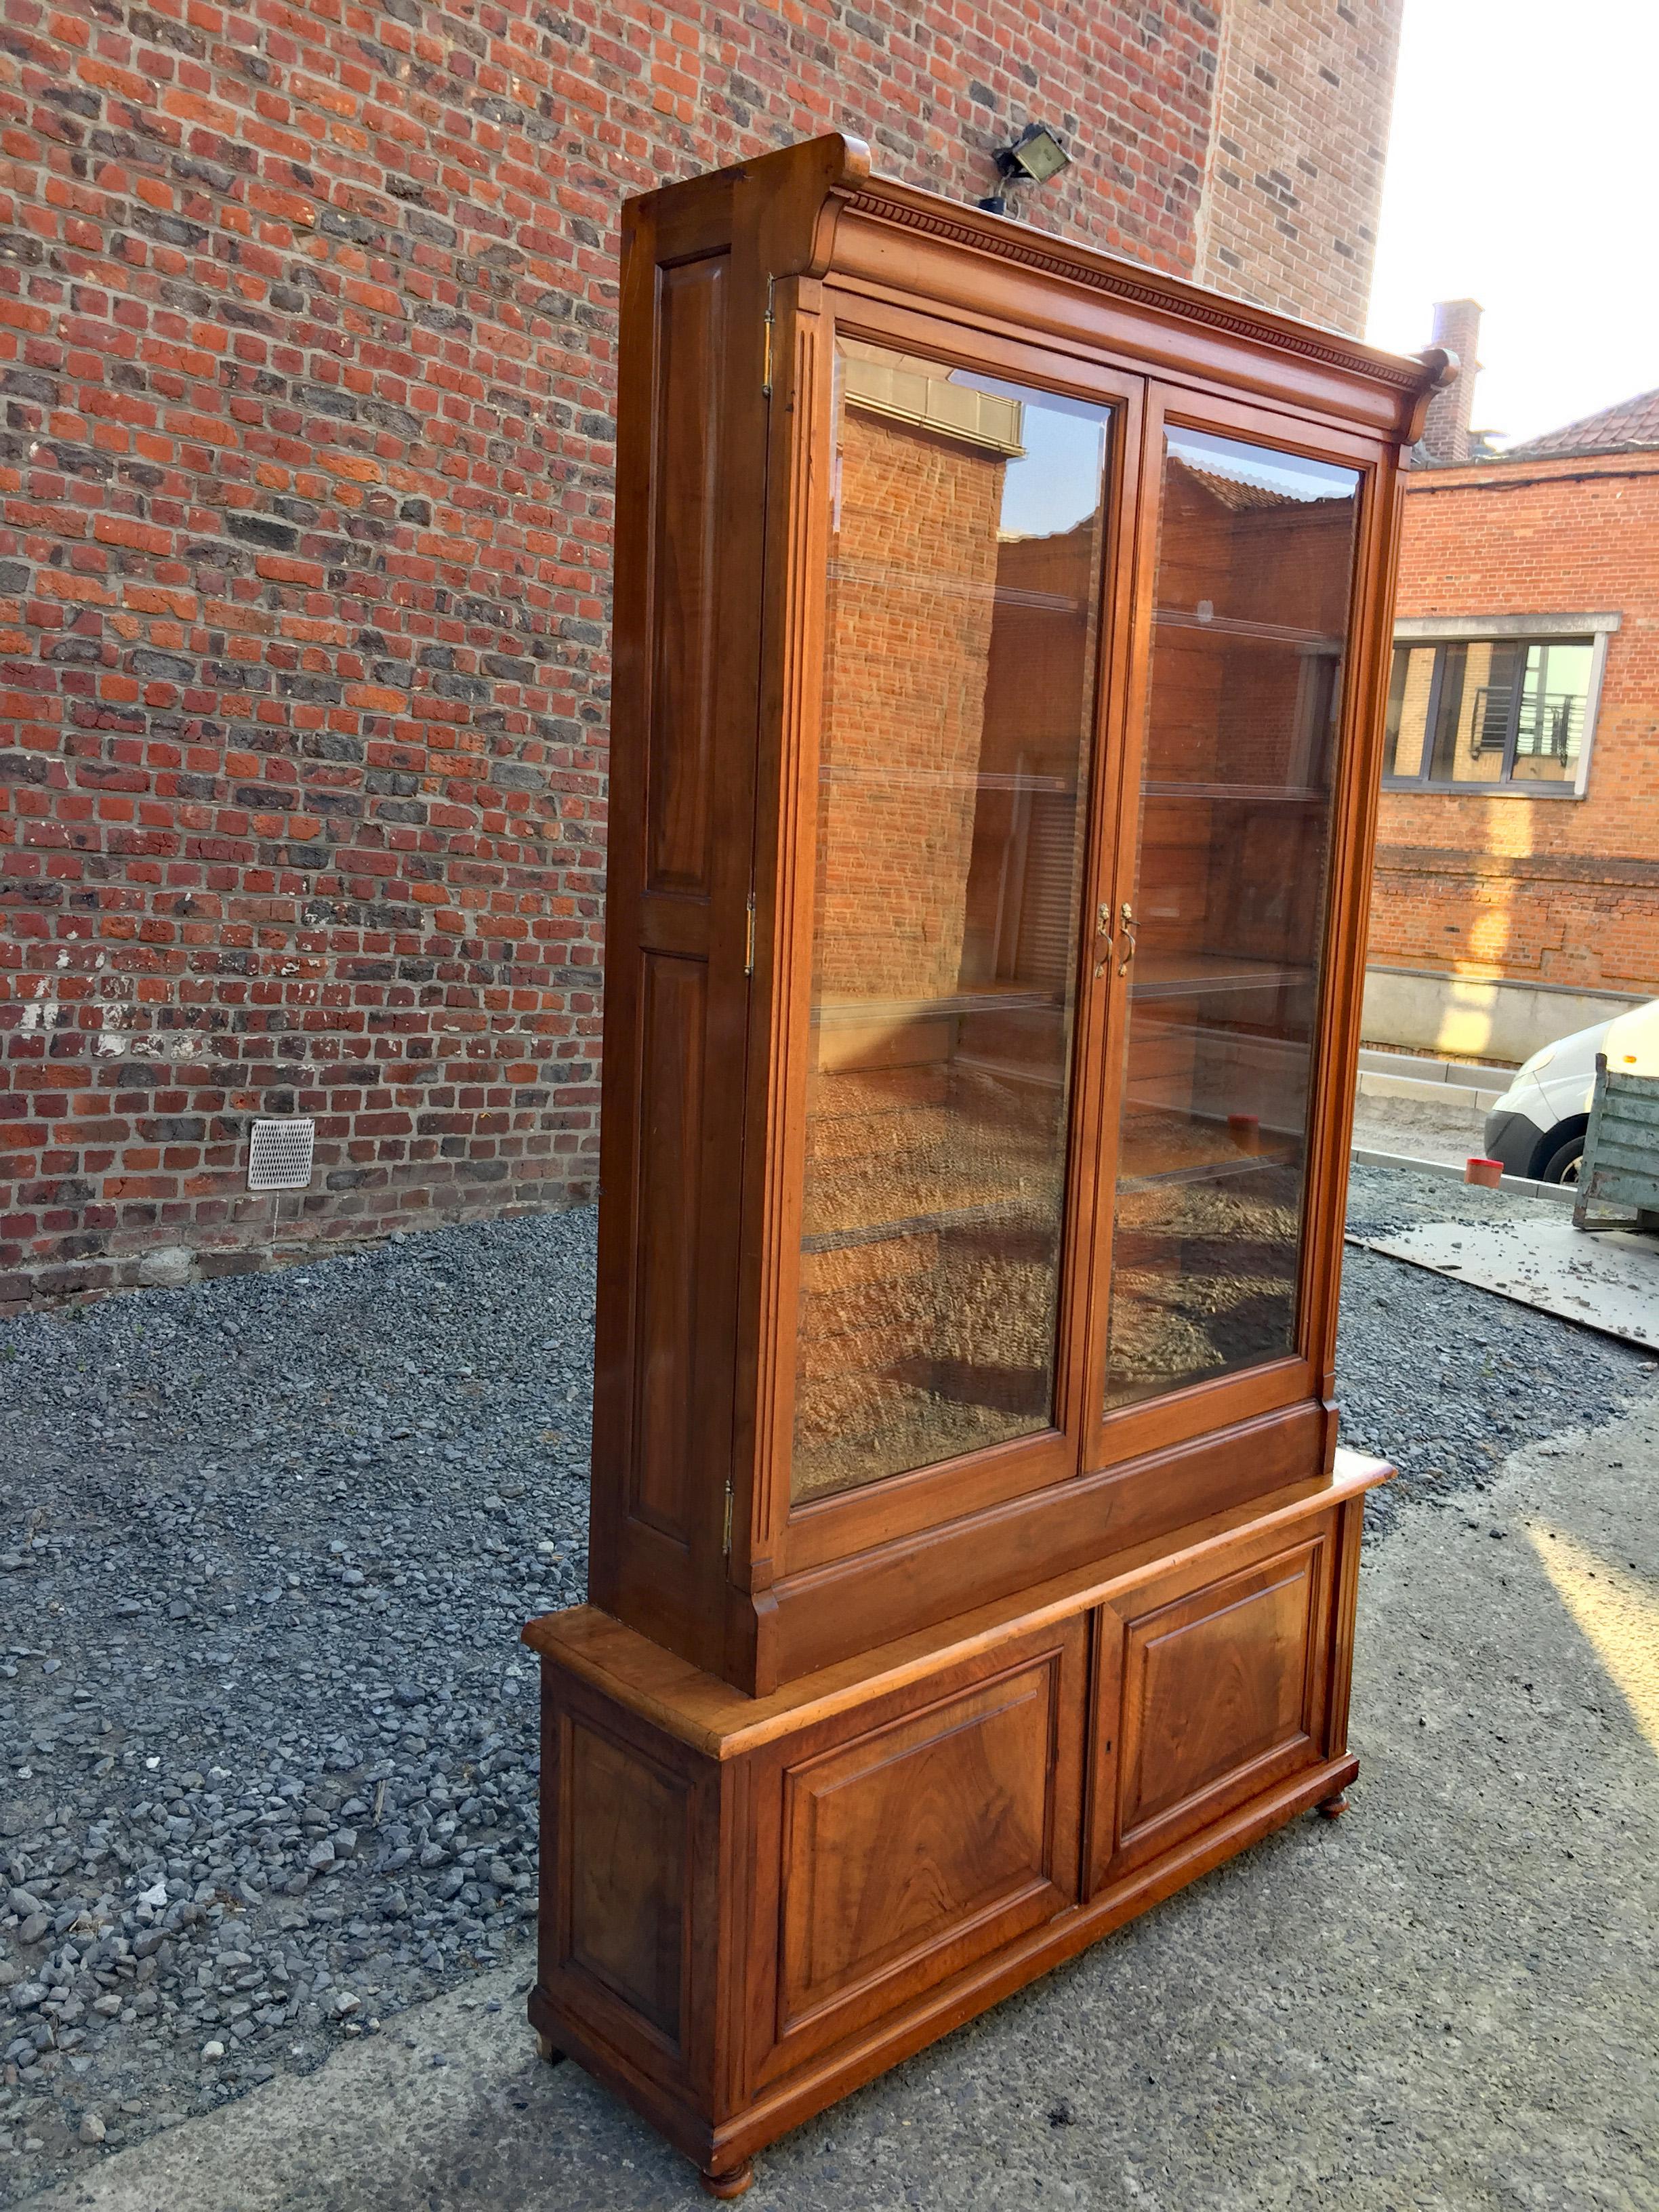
[748, 949]
[726, 1541]
[765, 362]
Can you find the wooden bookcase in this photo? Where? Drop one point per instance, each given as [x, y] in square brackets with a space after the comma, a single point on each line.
[1002, 633]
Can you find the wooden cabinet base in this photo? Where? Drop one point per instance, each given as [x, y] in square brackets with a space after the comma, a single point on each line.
[751, 1906]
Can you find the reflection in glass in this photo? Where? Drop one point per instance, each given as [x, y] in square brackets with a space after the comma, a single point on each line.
[1489, 711]
[964, 578]
[1251, 606]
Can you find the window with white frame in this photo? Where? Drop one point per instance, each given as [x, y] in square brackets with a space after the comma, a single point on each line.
[1504, 708]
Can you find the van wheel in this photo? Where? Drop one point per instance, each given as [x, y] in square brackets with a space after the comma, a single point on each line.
[1556, 1155]
[1564, 1164]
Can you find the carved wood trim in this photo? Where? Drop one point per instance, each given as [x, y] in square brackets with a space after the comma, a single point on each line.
[1102, 276]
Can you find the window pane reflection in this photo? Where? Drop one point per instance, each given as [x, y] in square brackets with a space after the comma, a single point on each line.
[1251, 607]
[1486, 711]
[965, 581]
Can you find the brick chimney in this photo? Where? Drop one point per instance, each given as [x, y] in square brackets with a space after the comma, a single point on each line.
[1446, 428]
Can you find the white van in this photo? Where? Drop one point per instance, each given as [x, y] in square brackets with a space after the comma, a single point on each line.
[1537, 1128]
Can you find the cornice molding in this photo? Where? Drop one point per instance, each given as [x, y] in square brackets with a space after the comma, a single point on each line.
[1100, 275]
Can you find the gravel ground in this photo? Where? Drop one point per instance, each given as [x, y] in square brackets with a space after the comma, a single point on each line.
[1446, 1380]
[270, 1749]
[1420, 1128]
[270, 1743]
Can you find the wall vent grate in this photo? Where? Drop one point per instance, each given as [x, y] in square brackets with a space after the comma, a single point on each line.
[279, 1155]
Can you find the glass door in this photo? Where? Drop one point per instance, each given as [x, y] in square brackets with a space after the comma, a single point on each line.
[967, 545]
[1220, 941]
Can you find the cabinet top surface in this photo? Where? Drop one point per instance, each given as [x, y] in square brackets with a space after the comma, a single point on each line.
[723, 1723]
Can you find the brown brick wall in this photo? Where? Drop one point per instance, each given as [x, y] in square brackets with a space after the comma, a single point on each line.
[1548, 891]
[306, 364]
[1296, 168]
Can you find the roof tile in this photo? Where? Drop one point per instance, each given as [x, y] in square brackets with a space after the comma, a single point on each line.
[1632, 424]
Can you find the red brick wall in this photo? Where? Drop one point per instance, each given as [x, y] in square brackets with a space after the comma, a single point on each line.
[1301, 129]
[1548, 891]
[307, 355]
[306, 361]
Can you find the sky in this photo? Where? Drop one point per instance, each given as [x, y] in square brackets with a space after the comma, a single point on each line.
[1521, 174]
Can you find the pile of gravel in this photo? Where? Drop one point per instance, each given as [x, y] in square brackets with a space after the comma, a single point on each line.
[270, 1740]
[1445, 1380]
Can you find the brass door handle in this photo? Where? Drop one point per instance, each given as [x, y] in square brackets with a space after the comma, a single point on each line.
[1128, 951]
[1103, 936]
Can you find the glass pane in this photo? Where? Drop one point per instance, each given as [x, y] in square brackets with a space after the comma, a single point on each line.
[1550, 728]
[1256, 553]
[1477, 702]
[1409, 691]
[964, 578]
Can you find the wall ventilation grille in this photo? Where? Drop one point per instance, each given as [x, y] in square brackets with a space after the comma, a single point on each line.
[279, 1157]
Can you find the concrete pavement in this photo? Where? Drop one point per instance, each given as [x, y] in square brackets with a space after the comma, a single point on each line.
[1444, 2001]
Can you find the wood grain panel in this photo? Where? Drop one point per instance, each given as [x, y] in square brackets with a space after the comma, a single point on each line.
[684, 539]
[895, 1840]
[911, 1848]
[1223, 1694]
[627, 1823]
[674, 1001]
[1221, 1684]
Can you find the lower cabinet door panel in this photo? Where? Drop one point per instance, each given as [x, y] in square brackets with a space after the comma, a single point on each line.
[1206, 1696]
[894, 1851]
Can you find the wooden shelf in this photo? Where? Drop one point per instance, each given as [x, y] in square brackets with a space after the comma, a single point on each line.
[989, 999]
[1254, 632]
[941, 779]
[1196, 974]
[1208, 1171]
[1253, 794]
[988, 1213]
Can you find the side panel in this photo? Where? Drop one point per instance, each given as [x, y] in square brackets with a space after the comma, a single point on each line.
[625, 1822]
[630, 1824]
[690, 456]
[673, 1016]
[684, 538]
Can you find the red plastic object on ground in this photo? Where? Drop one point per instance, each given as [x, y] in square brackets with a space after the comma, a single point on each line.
[1487, 1173]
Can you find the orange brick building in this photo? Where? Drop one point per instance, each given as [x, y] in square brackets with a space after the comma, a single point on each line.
[1518, 870]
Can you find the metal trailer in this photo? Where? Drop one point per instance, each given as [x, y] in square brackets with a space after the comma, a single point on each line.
[1620, 1166]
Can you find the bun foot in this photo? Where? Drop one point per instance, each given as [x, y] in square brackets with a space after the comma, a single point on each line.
[729, 2183]
[549, 2051]
[1332, 1808]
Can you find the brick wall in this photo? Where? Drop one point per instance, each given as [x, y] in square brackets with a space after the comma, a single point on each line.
[1547, 891]
[307, 359]
[1296, 173]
